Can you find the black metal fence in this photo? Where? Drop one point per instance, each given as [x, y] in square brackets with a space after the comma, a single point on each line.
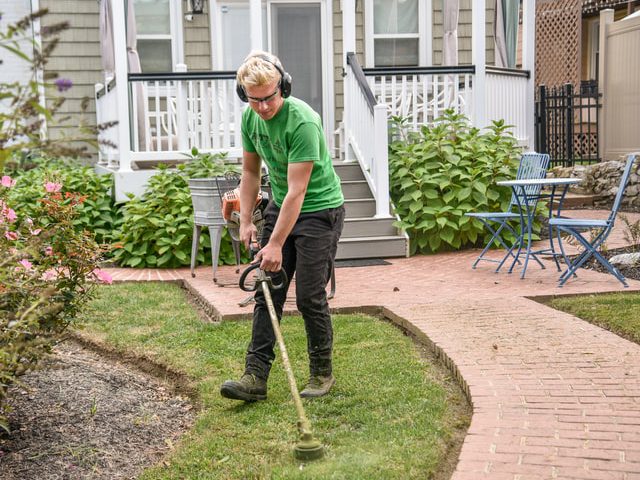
[567, 123]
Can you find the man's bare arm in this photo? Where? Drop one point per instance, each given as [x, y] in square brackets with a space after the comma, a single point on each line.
[298, 175]
[249, 187]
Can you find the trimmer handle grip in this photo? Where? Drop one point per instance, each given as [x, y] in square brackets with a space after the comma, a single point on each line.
[262, 277]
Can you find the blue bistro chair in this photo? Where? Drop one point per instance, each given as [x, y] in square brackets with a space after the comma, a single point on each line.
[578, 227]
[532, 166]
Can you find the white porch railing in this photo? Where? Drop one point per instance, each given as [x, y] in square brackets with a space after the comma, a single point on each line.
[365, 133]
[170, 113]
[107, 111]
[506, 93]
[184, 110]
[422, 94]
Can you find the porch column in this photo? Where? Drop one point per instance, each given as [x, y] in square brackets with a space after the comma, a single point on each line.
[348, 29]
[348, 8]
[606, 19]
[478, 58]
[122, 85]
[255, 24]
[529, 63]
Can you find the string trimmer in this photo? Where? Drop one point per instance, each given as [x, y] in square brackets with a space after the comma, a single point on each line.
[307, 448]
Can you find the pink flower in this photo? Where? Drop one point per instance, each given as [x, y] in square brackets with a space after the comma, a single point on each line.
[7, 181]
[50, 274]
[103, 276]
[36, 231]
[48, 251]
[11, 235]
[26, 264]
[10, 214]
[52, 187]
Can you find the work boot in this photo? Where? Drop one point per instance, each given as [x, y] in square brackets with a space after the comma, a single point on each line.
[250, 388]
[318, 386]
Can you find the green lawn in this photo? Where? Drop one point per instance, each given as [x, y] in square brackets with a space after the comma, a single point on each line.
[617, 312]
[392, 415]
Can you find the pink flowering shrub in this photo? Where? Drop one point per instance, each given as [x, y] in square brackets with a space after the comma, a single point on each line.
[47, 271]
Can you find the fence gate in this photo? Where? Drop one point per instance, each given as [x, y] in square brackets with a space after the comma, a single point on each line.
[567, 123]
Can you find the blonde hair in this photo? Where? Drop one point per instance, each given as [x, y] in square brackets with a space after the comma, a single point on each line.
[255, 71]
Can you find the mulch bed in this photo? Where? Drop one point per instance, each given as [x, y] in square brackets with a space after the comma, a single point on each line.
[629, 272]
[86, 416]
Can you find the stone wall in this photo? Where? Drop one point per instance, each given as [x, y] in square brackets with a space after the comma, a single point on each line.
[602, 180]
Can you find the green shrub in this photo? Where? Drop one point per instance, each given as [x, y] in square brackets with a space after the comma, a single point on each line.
[445, 170]
[98, 212]
[157, 228]
[45, 267]
[45, 260]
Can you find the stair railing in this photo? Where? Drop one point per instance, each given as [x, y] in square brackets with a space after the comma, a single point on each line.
[365, 133]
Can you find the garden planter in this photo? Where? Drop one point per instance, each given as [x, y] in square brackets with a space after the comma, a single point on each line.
[206, 196]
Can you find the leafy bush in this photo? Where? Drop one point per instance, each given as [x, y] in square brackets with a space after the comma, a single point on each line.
[46, 262]
[45, 268]
[445, 170]
[97, 214]
[157, 227]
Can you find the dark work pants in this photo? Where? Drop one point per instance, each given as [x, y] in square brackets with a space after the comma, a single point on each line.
[309, 252]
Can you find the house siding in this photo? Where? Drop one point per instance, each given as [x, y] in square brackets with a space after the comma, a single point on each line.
[338, 53]
[464, 40]
[464, 32]
[197, 40]
[76, 57]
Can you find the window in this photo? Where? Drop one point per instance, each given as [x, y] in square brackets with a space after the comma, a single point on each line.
[153, 24]
[395, 33]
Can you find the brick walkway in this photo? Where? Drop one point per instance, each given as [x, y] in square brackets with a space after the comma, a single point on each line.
[552, 395]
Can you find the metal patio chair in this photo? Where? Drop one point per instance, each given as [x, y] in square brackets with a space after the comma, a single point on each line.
[532, 166]
[597, 230]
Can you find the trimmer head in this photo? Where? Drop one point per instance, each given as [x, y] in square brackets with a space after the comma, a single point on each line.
[308, 449]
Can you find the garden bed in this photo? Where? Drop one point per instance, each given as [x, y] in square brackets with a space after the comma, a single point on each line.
[86, 416]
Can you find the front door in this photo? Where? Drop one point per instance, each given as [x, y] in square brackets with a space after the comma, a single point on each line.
[297, 31]
[295, 36]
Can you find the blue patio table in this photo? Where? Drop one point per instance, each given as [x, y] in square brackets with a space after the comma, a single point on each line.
[527, 193]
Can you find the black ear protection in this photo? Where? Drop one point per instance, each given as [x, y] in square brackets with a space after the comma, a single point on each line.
[285, 81]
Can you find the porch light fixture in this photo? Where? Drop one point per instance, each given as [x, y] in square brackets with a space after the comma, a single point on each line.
[197, 6]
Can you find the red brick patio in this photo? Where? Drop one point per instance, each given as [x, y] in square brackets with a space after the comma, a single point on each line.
[552, 395]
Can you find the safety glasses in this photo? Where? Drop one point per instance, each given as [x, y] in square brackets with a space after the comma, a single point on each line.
[266, 99]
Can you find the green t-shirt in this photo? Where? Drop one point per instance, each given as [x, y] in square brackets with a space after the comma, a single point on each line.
[293, 135]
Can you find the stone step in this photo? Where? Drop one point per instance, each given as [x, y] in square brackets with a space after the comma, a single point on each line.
[348, 170]
[359, 207]
[356, 189]
[577, 200]
[372, 247]
[369, 227]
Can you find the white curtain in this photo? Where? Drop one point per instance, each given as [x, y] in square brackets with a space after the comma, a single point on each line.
[511, 10]
[506, 22]
[133, 62]
[106, 38]
[451, 10]
[500, 46]
[392, 21]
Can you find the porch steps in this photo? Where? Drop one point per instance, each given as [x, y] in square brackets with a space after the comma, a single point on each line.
[365, 236]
